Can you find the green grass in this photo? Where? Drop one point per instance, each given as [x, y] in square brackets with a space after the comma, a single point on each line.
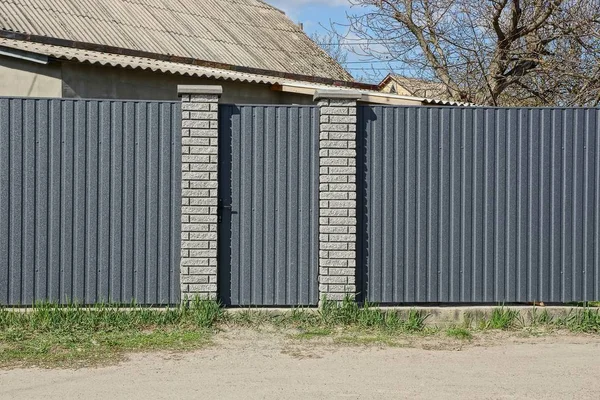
[350, 314]
[541, 318]
[50, 335]
[347, 315]
[586, 320]
[459, 333]
[502, 318]
[349, 323]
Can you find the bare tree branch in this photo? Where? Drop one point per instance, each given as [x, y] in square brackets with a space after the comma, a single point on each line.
[497, 52]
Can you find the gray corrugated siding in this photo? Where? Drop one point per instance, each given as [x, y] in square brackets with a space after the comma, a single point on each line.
[89, 201]
[269, 173]
[479, 205]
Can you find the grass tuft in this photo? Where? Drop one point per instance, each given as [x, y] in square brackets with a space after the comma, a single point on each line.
[350, 314]
[542, 318]
[459, 333]
[502, 318]
[53, 335]
[313, 333]
[205, 313]
[585, 320]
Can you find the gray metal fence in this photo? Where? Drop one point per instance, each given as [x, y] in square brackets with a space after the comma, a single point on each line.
[455, 205]
[479, 205]
[89, 201]
[268, 187]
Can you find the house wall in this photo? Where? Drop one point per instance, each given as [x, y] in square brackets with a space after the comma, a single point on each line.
[414, 88]
[75, 80]
[21, 78]
[90, 81]
[398, 89]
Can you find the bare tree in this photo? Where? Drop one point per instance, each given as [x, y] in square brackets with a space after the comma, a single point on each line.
[496, 52]
[332, 44]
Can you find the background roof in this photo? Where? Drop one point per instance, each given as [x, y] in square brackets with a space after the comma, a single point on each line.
[246, 33]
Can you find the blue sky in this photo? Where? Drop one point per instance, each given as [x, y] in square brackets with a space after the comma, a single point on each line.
[313, 11]
[315, 14]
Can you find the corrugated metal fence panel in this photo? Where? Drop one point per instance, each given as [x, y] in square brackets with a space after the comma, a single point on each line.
[89, 201]
[269, 173]
[479, 205]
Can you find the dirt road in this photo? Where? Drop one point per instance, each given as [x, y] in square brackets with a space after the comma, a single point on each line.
[245, 365]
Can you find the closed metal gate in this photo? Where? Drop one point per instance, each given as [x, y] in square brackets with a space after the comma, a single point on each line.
[89, 201]
[268, 191]
[479, 205]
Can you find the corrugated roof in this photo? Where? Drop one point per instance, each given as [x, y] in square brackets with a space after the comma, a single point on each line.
[125, 61]
[246, 33]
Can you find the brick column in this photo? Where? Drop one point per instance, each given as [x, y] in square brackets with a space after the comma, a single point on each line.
[199, 183]
[337, 194]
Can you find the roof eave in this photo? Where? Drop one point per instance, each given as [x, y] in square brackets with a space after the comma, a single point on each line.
[24, 55]
[182, 60]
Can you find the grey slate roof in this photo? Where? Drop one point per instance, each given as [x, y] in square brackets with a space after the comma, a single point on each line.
[247, 33]
[142, 63]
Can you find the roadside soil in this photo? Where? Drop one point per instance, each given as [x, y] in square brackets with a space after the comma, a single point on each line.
[246, 364]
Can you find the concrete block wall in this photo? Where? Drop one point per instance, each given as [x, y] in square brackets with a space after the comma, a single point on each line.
[337, 194]
[199, 186]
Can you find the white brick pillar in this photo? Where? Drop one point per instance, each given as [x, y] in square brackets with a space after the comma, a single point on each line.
[199, 184]
[337, 194]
